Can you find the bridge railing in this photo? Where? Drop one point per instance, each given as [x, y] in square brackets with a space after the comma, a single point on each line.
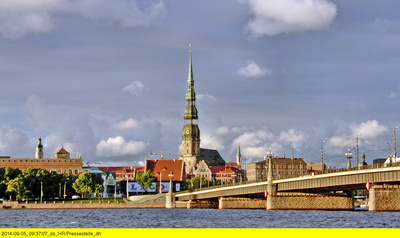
[308, 173]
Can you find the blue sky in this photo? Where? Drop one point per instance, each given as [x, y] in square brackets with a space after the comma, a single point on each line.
[108, 78]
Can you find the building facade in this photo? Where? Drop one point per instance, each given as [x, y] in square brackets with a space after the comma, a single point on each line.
[122, 173]
[62, 163]
[281, 168]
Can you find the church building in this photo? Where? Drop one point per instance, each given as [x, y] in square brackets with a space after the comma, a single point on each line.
[191, 151]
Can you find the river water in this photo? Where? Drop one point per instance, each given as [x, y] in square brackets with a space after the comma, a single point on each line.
[195, 218]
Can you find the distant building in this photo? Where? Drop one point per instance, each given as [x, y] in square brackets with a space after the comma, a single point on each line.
[122, 172]
[203, 171]
[281, 167]
[62, 163]
[311, 167]
[161, 170]
[191, 151]
[115, 177]
[228, 173]
[391, 161]
[379, 161]
[362, 162]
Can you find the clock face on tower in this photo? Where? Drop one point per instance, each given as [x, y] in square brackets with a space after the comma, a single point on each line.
[187, 132]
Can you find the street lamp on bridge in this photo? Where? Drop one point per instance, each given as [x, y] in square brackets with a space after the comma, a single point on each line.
[349, 156]
[394, 144]
[322, 156]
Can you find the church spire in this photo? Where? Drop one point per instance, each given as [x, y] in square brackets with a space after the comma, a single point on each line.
[238, 156]
[190, 132]
[190, 110]
[190, 76]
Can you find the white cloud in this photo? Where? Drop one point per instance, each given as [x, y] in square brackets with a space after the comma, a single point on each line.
[255, 143]
[253, 138]
[21, 17]
[117, 146]
[393, 94]
[253, 70]
[63, 126]
[223, 130]
[127, 125]
[366, 131]
[292, 136]
[384, 25]
[289, 16]
[211, 142]
[13, 142]
[135, 88]
[206, 97]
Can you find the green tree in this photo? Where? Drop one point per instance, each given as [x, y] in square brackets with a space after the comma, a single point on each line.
[145, 180]
[32, 181]
[87, 183]
[6, 175]
[83, 184]
[98, 183]
[66, 181]
[15, 188]
[195, 182]
[29, 183]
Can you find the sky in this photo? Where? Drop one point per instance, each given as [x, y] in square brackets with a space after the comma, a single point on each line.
[107, 79]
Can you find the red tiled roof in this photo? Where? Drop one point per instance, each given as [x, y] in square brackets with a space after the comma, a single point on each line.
[228, 170]
[166, 166]
[216, 169]
[120, 170]
[62, 151]
[232, 164]
[225, 170]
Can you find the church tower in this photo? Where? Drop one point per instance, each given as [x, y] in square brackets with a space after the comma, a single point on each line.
[190, 131]
[39, 149]
[239, 157]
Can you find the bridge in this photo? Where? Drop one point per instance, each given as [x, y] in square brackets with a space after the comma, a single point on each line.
[331, 190]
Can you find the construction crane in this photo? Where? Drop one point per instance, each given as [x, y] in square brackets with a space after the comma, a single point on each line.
[162, 154]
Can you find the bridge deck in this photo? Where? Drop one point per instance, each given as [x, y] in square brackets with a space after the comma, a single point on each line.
[339, 181]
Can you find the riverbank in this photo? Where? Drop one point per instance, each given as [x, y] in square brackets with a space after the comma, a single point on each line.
[80, 205]
[148, 201]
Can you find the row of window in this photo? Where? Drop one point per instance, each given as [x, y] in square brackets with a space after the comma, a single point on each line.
[285, 166]
[62, 171]
[289, 166]
[129, 175]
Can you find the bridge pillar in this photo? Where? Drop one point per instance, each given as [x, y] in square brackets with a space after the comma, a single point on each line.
[170, 200]
[384, 198]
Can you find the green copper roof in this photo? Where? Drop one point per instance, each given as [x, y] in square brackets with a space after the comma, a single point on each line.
[238, 150]
[190, 110]
[190, 76]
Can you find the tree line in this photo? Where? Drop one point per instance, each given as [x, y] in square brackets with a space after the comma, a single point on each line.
[28, 185]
